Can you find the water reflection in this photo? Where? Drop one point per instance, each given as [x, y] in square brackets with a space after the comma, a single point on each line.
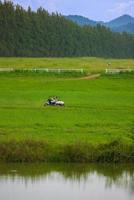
[66, 181]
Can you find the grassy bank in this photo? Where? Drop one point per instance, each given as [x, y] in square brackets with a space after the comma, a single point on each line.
[87, 63]
[41, 151]
[96, 124]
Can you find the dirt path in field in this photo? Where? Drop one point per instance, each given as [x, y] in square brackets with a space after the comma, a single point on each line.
[93, 76]
[89, 77]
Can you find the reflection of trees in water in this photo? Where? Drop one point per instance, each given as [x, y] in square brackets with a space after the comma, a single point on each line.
[119, 175]
[125, 180]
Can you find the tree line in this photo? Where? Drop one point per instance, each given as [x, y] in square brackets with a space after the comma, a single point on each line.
[39, 33]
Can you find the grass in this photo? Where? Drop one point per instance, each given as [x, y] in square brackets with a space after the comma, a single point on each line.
[89, 64]
[96, 124]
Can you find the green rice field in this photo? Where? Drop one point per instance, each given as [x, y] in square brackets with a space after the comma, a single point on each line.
[97, 119]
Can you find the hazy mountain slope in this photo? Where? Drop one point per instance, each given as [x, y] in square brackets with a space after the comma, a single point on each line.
[125, 28]
[123, 23]
[81, 20]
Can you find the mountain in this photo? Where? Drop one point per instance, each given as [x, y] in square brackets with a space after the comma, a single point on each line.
[123, 23]
[120, 21]
[129, 28]
[27, 33]
[80, 20]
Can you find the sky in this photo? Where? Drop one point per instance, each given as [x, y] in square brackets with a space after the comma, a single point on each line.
[100, 10]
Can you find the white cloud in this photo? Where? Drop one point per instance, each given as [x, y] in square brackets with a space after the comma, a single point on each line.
[121, 8]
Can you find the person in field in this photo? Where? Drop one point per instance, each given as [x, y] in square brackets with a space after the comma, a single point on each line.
[54, 101]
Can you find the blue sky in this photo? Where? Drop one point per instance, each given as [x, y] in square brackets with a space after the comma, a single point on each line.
[102, 10]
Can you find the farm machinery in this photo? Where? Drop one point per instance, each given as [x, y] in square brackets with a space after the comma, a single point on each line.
[54, 101]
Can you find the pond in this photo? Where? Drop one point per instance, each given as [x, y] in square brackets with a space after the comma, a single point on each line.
[66, 182]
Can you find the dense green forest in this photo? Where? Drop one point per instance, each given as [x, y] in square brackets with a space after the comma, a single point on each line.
[36, 34]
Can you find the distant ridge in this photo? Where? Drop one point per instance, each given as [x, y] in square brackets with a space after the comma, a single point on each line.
[121, 21]
[124, 23]
[125, 28]
[81, 20]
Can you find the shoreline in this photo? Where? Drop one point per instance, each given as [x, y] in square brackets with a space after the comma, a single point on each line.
[32, 151]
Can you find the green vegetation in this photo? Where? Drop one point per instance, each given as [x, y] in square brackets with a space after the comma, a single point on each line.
[96, 124]
[87, 63]
[38, 34]
[124, 23]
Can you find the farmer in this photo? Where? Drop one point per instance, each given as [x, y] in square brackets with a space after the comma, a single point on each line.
[49, 100]
[53, 100]
[56, 98]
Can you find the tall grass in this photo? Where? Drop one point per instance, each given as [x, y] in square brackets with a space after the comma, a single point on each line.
[41, 151]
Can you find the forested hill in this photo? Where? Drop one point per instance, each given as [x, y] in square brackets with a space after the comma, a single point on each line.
[28, 33]
[80, 20]
[124, 23]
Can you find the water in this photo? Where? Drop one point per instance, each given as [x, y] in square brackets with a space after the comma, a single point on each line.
[66, 182]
